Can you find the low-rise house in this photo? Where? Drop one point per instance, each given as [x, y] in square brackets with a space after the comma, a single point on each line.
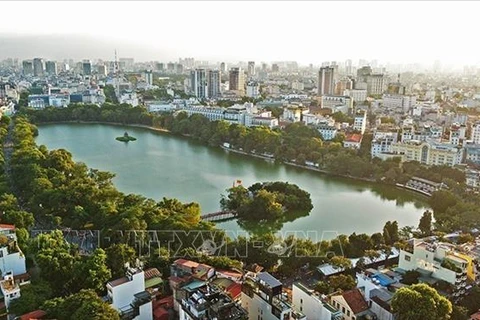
[440, 261]
[10, 289]
[351, 303]
[12, 258]
[353, 141]
[313, 305]
[129, 296]
[263, 298]
[208, 302]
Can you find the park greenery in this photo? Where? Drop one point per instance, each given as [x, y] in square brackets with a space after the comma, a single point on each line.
[266, 201]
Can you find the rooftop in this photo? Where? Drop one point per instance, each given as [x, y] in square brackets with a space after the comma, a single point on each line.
[355, 301]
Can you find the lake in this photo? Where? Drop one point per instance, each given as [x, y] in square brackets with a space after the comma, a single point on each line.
[160, 165]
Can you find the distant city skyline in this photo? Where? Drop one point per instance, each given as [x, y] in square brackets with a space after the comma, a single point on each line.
[306, 32]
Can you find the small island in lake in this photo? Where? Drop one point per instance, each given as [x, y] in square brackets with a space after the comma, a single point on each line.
[126, 138]
[267, 201]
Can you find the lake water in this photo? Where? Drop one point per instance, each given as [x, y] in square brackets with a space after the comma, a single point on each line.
[161, 165]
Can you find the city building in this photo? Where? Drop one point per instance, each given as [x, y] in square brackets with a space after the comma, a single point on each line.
[199, 301]
[475, 135]
[328, 132]
[252, 89]
[358, 95]
[337, 103]
[9, 288]
[457, 134]
[199, 83]
[263, 299]
[472, 153]
[313, 305]
[375, 84]
[251, 69]
[38, 67]
[342, 85]
[275, 68]
[214, 82]
[426, 132]
[237, 80]
[12, 259]
[102, 70]
[87, 67]
[294, 112]
[51, 68]
[440, 261]
[223, 67]
[360, 122]
[353, 141]
[429, 152]
[326, 81]
[405, 103]
[148, 75]
[352, 304]
[382, 143]
[129, 296]
[27, 66]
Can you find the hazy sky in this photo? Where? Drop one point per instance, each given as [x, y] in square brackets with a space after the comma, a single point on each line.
[308, 32]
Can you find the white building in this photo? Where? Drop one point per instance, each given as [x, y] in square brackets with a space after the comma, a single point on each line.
[294, 112]
[382, 143]
[442, 261]
[148, 75]
[395, 101]
[159, 106]
[312, 305]
[263, 299]
[472, 153]
[12, 259]
[358, 95]
[360, 122]
[424, 133]
[333, 102]
[457, 134]
[475, 135]
[128, 296]
[10, 289]
[198, 81]
[327, 132]
[252, 89]
[129, 97]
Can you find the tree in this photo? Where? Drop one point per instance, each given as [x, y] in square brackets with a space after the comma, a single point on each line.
[410, 277]
[441, 200]
[31, 298]
[342, 282]
[93, 273]
[425, 224]
[322, 287]
[420, 301]
[341, 262]
[117, 256]
[84, 305]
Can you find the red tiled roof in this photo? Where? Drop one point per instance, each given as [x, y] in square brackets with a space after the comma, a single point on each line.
[356, 137]
[355, 301]
[235, 289]
[475, 316]
[152, 273]
[7, 226]
[37, 314]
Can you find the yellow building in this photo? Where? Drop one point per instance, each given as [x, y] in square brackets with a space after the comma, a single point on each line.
[429, 152]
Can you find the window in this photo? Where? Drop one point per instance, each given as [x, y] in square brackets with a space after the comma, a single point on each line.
[348, 313]
[301, 301]
[408, 258]
[343, 309]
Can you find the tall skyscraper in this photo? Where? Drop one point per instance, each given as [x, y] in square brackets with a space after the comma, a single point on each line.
[51, 68]
[275, 68]
[87, 67]
[237, 80]
[326, 80]
[102, 70]
[223, 67]
[251, 68]
[213, 83]
[199, 83]
[27, 67]
[148, 75]
[38, 67]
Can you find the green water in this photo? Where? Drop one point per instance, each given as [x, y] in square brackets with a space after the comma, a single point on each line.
[160, 165]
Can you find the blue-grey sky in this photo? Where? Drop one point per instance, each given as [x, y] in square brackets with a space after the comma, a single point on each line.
[308, 32]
